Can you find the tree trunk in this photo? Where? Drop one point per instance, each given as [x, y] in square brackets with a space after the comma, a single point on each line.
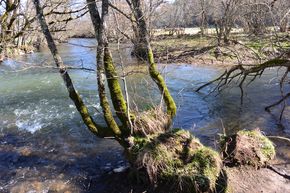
[153, 70]
[203, 22]
[140, 30]
[75, 97]
[106, 69]
[284, 25]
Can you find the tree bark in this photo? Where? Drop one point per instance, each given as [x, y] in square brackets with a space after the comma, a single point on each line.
[73, 94]
[141, 31]
[284, 25]
[153, 70]
[107, 69]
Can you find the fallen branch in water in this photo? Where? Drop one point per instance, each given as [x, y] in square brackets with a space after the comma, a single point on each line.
[241, 72]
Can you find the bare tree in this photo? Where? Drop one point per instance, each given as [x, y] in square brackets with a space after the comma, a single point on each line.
[131, 13]
[225, 18]
[281, 13]
[18, 26]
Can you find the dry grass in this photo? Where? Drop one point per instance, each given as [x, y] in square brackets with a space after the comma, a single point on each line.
[151, 122]
[175, 161]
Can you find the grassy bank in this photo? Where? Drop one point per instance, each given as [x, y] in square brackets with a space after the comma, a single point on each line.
[204, 50]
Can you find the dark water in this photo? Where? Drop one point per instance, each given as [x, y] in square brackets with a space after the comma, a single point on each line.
[45, 147]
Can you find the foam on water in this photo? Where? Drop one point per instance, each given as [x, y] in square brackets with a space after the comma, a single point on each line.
[37, 116]
[31, 126]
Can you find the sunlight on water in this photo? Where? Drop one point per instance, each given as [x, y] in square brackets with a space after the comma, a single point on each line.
[43, 137]
[36, 98]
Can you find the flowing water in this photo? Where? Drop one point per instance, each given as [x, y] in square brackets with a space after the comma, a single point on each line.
[44, 146]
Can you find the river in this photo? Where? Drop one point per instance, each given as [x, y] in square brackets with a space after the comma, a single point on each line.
[44, 145]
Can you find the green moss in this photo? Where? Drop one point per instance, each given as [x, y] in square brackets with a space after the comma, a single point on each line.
[139, 143]
[206, 158]
[89, 122]
[158, 79]
[256, 45]
[105, 103]
[284, 45]
[117, 97]
[266, 146]
[180, 162]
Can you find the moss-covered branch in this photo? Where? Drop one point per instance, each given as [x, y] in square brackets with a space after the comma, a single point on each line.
[153, 70]
[117, 97]
[105, 64]
[81, 107]
[158, 79]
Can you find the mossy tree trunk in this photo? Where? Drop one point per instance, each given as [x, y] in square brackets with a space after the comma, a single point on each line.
[153, 70]
[73, 94]
[160, 150]
[107, 69]
[106, 72]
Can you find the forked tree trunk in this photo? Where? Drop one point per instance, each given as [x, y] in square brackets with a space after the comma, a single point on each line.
[106, 72]
[142, 151]
[107, 69]
[73, 94]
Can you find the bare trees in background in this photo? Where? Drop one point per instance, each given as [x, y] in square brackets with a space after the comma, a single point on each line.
[281, 14]
[129, 12]
[225, 18]
[18, 26]
[254, 16]
[19, 29]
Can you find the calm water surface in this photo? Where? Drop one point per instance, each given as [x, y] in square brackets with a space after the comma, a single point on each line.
[44, 145]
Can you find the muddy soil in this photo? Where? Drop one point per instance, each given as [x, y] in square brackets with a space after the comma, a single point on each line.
[30, 165]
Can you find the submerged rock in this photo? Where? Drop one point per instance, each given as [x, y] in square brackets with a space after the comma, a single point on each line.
[177, 162]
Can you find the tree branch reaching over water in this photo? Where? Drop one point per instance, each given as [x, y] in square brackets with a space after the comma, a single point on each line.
[241, 73]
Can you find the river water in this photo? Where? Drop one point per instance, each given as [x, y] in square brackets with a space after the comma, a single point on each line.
[44, 145]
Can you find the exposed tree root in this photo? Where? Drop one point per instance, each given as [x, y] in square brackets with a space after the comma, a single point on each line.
[247, 148]
[279, 137]
[274, 169]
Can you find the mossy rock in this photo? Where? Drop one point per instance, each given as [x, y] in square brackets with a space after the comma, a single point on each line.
[177, 162]
[248, 148]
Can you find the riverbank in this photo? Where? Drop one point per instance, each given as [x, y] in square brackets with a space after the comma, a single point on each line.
[29, 164]
[204, 50]
[201, 50]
